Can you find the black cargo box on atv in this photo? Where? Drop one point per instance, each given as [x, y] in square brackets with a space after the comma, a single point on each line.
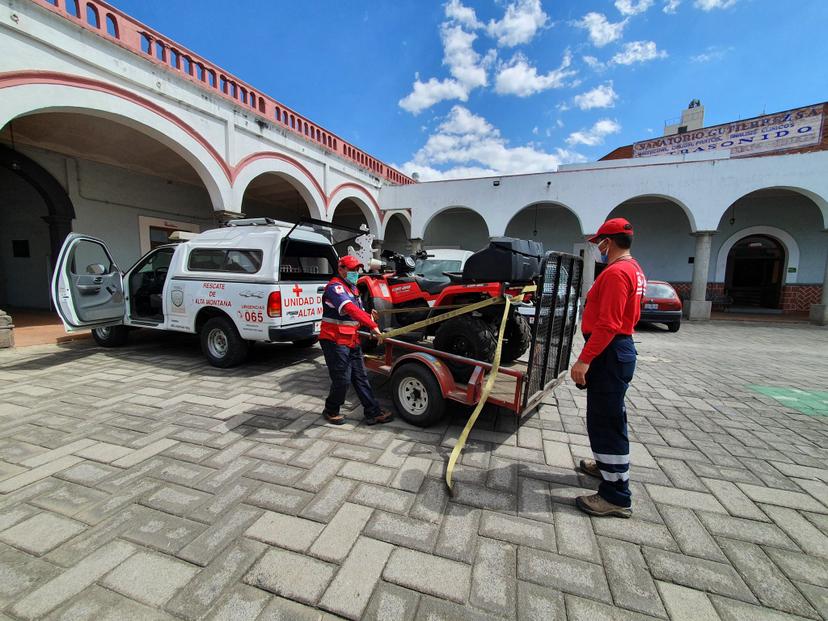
[505, 260]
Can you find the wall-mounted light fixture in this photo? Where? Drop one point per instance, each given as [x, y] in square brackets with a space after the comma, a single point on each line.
[496, 182]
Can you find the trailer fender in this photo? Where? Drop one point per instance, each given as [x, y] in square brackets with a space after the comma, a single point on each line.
[437, 366]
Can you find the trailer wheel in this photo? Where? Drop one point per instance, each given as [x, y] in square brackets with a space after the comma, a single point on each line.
[417, 395]
[517, 339]
[222, 344]
[111, 336]
[467, 336]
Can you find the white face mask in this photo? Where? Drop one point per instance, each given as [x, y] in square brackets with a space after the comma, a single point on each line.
[597, 255]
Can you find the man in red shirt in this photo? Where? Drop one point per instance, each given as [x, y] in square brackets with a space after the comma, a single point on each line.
[606, 366]
[342, 316]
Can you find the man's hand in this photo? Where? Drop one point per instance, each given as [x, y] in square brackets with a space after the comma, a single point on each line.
[375, 332]
[375, 315]
[578, 372]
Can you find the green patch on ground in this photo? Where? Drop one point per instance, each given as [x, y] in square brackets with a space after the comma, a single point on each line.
[810, 402]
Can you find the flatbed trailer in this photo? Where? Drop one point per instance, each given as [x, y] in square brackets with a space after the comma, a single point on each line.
[424, 379]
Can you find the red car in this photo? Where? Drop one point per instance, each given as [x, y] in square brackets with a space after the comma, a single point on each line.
[661, 304]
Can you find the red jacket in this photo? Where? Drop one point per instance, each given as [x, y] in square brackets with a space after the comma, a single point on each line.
[613, 305]
[342, 314]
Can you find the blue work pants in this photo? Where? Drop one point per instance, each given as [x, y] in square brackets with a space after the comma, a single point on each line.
[346, 367]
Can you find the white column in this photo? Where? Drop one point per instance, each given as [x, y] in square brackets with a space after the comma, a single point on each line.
[819, 312]
[588, 275]
[698, 307]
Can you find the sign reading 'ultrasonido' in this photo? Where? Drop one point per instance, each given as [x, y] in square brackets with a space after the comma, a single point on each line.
[774, 132]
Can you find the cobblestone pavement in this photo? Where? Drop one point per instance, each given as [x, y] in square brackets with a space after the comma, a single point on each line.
[140, 483]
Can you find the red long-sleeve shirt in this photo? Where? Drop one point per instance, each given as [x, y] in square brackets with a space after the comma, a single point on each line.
[613, 305]
[357, 314]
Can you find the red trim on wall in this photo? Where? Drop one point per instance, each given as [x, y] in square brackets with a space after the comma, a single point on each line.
[356, 186]
[274, 155]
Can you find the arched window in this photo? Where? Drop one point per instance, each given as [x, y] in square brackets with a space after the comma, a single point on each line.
[187, 65]
[222, 84]
[175, 59]
[112, 26]
[261, 105]
[277, 113]
[243, 94]
[160, 51]
[72, 8]
[211, 77]
[92, 17]
[292, 122]
[146, 43]
[199, 71]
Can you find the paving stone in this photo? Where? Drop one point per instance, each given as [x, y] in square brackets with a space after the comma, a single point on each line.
[410, 476]
[580, 609]
[434, 609]
[272, 452]
[563, 573]
[241, 603]
[637, 531]
[800, 567]
[327, 502]
[385, 498]
[732, 610]
[42, 532]
[458, 535]
[281, 609]
[36, 474]
[86, 473]
[149, 577]
[144, 453]
[681, 475]
[280, 474]
[809, 538]
[734, 500]
[697, 573]
[202, 592]
[182, 473]
[558, 454]
[746, 530]
[817, 596]
[99, 604]
[351, 589]
[104, 452]
[68, 584]
[484, 498]
[691, 536]
[392, 602]
[536, 603]
[629, 578]
[318, 476]
[286, 531]
[429, 574]
[227, 475]
[67, 449]
[20, 573]
[231, 495]
[161, 531]
[817, 489]
[794, 500]
[14, 515]
[229, 454]
[685, 604]
[368, 473]
[279, 498]
[204, 548]
[69, 499]
[176, 499]
[770, 585]
[518, 530]
[493, 577]
[291, 575]
[402, 531]
[336, 540]
[685, 498]
[116, 502]
[575, 537]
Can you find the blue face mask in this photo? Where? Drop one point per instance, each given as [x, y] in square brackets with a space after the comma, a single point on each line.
[352, 277]
[597, 255]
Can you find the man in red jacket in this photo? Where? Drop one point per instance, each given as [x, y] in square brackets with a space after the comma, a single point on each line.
[606, 366]
[342, 316]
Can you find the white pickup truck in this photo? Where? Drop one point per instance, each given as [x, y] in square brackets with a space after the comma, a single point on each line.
[254, 280]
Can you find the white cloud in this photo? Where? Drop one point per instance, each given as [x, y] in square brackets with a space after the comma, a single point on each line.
[518, 77]
[426, 94]
[603, 96]
[467, 145]
[638, 52]
[457, 11]
[594, 63]
[633, 7]
[709, 5]
[594, 135]
[520, 22]
[459, 56]
[711, 54]
[601, 30]
[670, 6]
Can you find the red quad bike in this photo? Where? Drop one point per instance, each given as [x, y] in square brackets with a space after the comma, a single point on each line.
[503, 267]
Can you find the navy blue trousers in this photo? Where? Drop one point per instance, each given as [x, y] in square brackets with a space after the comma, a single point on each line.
[608, 378]
[346, 367]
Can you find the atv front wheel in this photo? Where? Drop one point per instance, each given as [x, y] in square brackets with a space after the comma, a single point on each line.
[467, 336]
[517, 339]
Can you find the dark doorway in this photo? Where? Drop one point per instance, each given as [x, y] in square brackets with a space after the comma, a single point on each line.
[755, 272]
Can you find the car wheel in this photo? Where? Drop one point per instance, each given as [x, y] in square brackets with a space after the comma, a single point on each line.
[221, 343]
[674, 326]
[417, 395]
[111, 336]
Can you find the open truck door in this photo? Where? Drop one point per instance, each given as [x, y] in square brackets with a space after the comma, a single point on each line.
[87, 286]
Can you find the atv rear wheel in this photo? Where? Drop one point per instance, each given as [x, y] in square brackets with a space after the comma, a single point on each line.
[517, 339]
[467, 336]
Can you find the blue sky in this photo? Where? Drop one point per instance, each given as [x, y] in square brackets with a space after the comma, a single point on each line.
[472, 87]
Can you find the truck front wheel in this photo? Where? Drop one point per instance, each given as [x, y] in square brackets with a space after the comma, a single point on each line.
[110, 336]
[221, 343]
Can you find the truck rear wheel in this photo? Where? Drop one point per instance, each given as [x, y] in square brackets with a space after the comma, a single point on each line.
[221, 343]
[111, 336]
[417, 395]
[467, 336]
[517, 339]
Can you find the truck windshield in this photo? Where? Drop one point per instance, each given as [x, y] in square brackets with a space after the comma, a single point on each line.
[303, 260]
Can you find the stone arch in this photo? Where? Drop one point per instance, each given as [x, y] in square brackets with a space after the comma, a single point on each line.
[783, 237]
[351, 203]
[396, 231]
[474, 232]
[254, 167]
[820, 201]
[691, 219]
[29, 93]
[554, 224]
[403, 216]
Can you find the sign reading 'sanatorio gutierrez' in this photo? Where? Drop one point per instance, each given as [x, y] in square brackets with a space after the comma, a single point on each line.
[785, 130]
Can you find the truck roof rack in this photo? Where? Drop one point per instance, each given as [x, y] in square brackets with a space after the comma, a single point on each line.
[253, 222]
[309, 223]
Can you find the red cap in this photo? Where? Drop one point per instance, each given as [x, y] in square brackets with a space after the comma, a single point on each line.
[349, 262]
[612, 227]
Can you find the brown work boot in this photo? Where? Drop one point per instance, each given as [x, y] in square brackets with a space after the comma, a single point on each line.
[384, 416]
[595, 505]
[588, 466]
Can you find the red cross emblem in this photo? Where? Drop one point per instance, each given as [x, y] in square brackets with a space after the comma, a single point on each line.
[297, 289]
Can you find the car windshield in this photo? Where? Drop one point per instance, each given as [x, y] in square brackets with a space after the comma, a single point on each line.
[655, 290]
[433, 268]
